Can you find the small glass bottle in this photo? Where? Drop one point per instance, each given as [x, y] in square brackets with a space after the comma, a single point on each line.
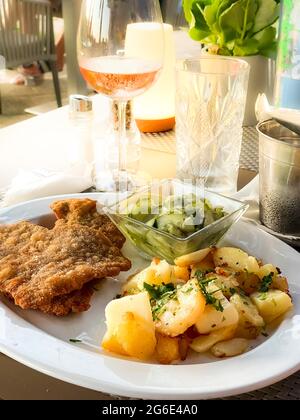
[288, 63]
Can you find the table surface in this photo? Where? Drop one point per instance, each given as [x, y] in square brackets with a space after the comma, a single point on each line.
[20, 382]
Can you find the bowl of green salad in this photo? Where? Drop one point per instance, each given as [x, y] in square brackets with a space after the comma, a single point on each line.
[171, 218]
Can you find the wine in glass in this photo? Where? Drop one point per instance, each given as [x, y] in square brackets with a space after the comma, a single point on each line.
[117, 58]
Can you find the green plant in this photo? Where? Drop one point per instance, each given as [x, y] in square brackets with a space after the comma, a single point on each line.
[234, 27]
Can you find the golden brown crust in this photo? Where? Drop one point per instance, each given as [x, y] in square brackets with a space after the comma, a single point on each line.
[84, 212]
[37, 265]
[75, 302]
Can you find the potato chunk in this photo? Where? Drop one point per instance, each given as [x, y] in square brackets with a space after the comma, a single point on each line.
[205, 342]
[230, 348]
[193, 258]
[167, 349]
[181, 311]
[128, 319]
[236, 259]
[231, 257]
[250, 322]
[267, 269]
[212, 319]
[207, 264]
[272, 304]
[136, 283]
[181, 273]
[157, 273]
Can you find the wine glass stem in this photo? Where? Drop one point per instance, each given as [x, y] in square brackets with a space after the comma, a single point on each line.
[122, 139]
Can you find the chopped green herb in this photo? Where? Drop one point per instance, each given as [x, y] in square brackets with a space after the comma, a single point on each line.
[190, 289]
[232, 291]
[266, 283]
[262, 296]
[159, 296]
[210, 299]
[156, 292]
[74, 340]
[241, 292]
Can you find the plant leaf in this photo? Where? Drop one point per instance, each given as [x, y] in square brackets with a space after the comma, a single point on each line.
[267, 14]
[198, 26]
[265, 37]
[189, 5]
[235, 21]
[246, 47]
[187, 8]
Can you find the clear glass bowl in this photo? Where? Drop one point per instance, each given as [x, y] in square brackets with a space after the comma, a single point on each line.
[151, 242]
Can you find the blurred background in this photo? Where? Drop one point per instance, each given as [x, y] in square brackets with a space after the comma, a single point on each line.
[28, 88]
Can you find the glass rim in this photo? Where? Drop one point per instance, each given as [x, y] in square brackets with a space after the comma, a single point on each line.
[244, 66]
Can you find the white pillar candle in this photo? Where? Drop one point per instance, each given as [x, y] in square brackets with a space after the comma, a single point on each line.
[155, 109]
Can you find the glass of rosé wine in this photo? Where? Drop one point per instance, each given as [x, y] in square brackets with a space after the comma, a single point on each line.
[117, 58]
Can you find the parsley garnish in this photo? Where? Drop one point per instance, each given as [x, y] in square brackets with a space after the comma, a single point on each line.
[157, 292]
[74, 340]
[266, 283]
[209, 297]
[159, 296]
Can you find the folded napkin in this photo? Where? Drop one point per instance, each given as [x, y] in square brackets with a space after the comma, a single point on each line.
[28, 185]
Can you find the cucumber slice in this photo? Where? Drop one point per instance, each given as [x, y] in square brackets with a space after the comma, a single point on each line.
[159, 242]
[133, 230]
[188, 225]
[151, 222]
[169, 219]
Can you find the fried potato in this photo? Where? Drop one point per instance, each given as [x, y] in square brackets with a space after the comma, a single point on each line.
[236, 259]
[181, 311]
[250, 322]
[181, 273]
[267, 269]
[280, 283]
[207, 264]
[212, 319]
[231, 257]
[248, 282]
[272, 304]
[205, 342]
[167, 349]
[157, 273]
[136, 283]
[194, 258]
[230, 348]
[130, 327]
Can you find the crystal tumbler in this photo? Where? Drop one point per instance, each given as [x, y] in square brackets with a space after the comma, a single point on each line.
[210, 106]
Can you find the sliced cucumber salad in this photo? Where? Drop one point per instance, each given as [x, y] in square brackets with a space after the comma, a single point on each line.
[178, 216]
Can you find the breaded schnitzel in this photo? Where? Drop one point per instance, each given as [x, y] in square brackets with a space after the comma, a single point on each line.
[75, 302]
[39, 268]
[85, 212]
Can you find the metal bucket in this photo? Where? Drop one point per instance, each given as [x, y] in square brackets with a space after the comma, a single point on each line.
[279, 169]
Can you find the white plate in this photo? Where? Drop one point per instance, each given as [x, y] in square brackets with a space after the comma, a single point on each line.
[42, 342]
